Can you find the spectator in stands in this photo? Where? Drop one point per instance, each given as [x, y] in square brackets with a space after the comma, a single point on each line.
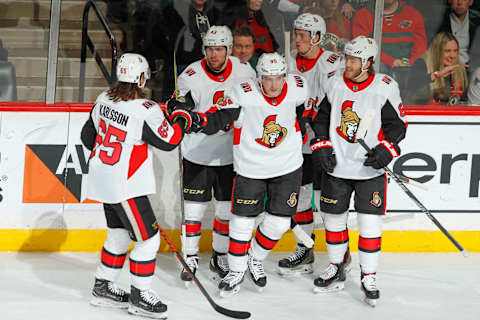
[244, 45]
[438, 77]
[403, 33]
[474, 89]
[463, 23]
[338, 27]
[348, 7]
[290, 9]
[249, 13]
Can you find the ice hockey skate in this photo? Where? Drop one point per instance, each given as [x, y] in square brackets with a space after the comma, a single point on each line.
[230, 284]
[107, 294]
[192, 263]
[347, 260]
[146, 303]
[257, 273]
[332, 279]
[218, 266]
[299, 262]
[369, 287]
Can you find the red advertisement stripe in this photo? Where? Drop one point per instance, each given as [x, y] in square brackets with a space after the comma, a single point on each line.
[369, 244]
[142, 268]
[264, 241]
[304, 217]
[336, 237]
[220, 226]
[113, 260]
[238, 248]
[138, 219]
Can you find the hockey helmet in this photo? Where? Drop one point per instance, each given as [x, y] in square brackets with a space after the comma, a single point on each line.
[362, 47]
[312, 23]
[130, 68]
[218, 36]
[271, 64]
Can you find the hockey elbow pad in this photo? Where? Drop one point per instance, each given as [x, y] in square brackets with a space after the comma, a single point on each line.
[382, 154]
[322, 154]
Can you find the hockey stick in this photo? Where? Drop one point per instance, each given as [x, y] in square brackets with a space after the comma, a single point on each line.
[362, 129]
[227, 312]
[286, 36]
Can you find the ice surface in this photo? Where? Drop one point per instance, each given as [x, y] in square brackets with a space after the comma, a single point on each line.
[57, 286]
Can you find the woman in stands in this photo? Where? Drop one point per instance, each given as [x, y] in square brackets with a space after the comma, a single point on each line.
[438, 77]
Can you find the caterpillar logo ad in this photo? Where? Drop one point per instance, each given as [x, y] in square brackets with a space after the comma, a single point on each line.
[53, 173]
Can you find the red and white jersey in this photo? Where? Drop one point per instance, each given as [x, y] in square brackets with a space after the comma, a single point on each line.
[267, 139]
[348, 102]
[206, 91]
[120, 165]
[315, 72]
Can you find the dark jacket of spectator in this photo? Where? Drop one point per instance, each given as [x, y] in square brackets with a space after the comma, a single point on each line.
[238, 14]
[403, 33]
[473, 25]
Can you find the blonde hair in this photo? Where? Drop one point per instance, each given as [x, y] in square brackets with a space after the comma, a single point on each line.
[434, 57]
[124, 91]
[337, 16]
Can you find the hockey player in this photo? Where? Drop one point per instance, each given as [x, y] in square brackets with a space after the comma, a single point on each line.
[207, 160]
[348, 169]
[313, 63]
[267, 159]
[121, 130]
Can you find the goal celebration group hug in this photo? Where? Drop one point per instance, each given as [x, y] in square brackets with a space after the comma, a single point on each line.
[260, 142]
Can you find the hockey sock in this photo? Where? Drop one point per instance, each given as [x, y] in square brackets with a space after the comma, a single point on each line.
[220, 239]
[194, 212]
[240, 234]
[370, 241]
[268, 233]
[114, 253]
[142, 262]
[336, 234]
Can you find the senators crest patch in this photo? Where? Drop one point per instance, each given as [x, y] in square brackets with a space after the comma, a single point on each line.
[273, 133]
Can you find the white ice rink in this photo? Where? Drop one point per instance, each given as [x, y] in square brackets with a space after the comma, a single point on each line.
[56, 286]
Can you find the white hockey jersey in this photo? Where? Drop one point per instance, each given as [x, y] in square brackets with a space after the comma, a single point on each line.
[267, 139]
[206, 91]
[344, 106]
[315, 72]
[120, 165]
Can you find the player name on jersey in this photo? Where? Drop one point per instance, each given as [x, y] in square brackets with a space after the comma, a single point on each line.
[114, 115]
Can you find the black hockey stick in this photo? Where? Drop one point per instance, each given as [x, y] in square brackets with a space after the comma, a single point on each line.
[368, 117]
[218, 308]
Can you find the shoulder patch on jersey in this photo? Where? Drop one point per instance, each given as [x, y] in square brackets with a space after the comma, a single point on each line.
[387, 79]
[299, 81]
[333, 58]
[148, 104]
[246, 86]
[331, 74]
[190, 72]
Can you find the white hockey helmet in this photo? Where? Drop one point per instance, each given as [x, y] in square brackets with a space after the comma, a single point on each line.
[130, 68]
[271, 64]
[362, 47]
[218, 36]
[312, 23]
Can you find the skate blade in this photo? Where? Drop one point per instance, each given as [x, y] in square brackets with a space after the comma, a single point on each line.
[215, 277]
[371, 302]
[187, 284]
[255, 286]
[140, 312]
[108, 303]
[287, 272]
[338, 286]
[227, 294]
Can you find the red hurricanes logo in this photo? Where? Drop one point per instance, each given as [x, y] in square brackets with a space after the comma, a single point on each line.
[273, 133]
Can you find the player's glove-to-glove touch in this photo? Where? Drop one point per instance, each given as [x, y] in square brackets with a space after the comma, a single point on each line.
[322, 154]
[382, 154]
[180, 111]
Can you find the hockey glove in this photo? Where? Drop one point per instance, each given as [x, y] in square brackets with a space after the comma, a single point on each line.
[183, 118]
[199, 120]
[382, 154]
[322, 154]
[174, 104]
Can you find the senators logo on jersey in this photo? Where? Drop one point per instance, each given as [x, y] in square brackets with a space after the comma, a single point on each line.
[273, 133]
[349, 123]
[376, 200]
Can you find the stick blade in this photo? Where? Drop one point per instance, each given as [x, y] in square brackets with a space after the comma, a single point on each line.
[367, 119]
[232, 313]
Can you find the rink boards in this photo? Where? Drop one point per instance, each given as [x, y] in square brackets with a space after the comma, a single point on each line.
[43, 166]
